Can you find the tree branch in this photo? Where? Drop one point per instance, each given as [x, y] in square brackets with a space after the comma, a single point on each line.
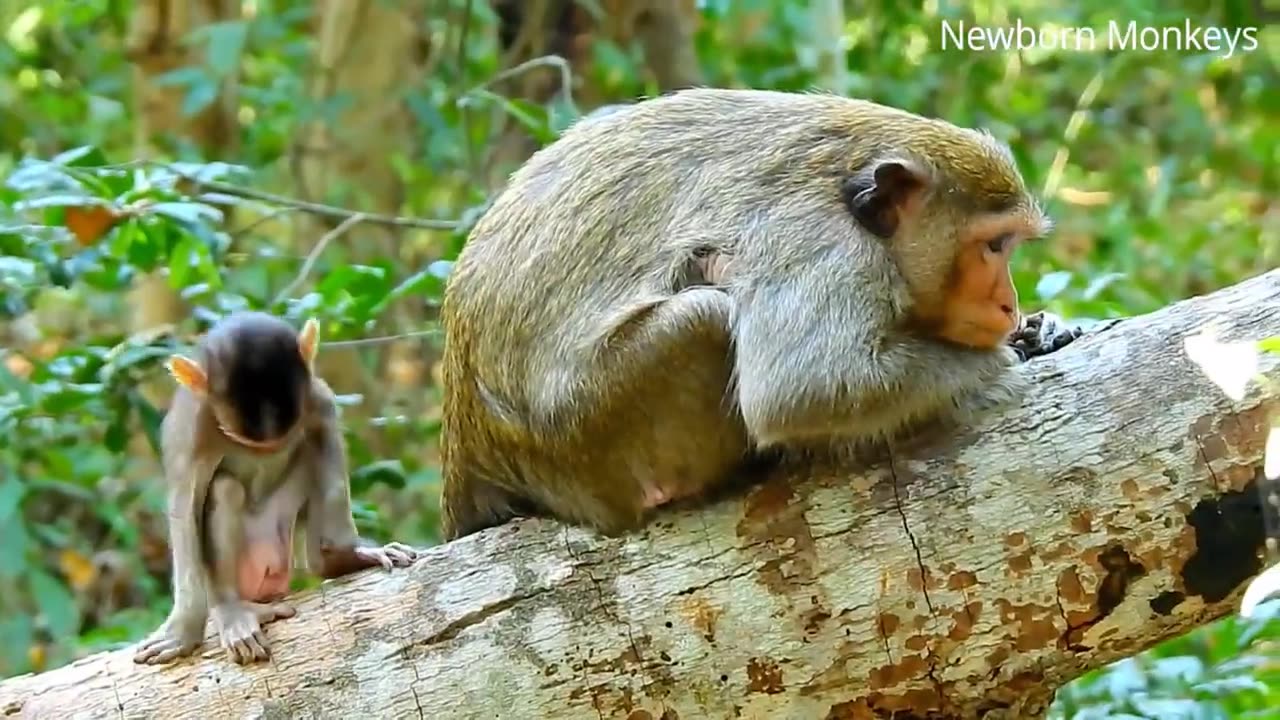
[972, 574]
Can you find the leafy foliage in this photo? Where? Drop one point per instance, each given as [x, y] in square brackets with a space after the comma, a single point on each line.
[1162, 168]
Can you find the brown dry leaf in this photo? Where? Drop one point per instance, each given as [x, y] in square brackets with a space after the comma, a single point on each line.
[90, 222]
[78, 569]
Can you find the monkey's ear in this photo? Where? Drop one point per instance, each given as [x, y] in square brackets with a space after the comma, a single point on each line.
[309, 341]
[879, 196]
[189, 373]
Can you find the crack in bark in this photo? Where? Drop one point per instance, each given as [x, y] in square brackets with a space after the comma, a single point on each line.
[931, 658]
[606, 610]
[742, 571]
[417, 678]
[915, 547]
[1217, 484]
[417, 703]
[475, 617]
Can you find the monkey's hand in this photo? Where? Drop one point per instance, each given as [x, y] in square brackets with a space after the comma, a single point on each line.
[179, 636]
[1042, 333]
[240, 628]
[392, 554]
[343, 559]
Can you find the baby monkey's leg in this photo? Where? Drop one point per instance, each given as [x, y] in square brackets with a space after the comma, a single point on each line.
[239, 620]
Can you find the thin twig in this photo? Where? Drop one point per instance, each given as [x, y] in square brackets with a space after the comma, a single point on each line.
[314, 255]
[379, 340]
[555, 61]
[329, 211]
[277, 212]
[322, 210]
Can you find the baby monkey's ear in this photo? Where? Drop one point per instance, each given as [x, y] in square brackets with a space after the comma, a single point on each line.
[189, 373]
[309, 342]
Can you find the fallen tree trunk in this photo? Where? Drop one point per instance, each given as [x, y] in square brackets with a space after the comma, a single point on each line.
[972, 574]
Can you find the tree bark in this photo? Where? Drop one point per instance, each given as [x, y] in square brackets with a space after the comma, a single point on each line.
[968, 576]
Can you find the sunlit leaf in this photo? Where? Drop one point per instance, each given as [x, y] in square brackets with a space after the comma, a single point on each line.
[79, 570]
[226, 42]
[83, 156]
[193, 213]
[200, 95]
[1052, 284]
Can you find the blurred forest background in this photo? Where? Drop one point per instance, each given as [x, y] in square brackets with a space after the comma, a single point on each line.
[1162, 169]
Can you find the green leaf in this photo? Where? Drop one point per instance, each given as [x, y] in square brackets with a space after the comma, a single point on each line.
[65, 397]
[530, 116]
[83, 156]
[188, 212]
[429, 282]
[226, 43]
[182, 261]
[18, 271]
[1052, 284]
[11, 493]
[16, 636]
[116, 435]
[60, 200]
[13, 538]
[57, 603]
[121, 242]
[385, 472]
[199, 96]
[189, 75]
[149, 417]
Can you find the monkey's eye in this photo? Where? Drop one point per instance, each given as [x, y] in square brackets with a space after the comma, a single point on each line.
[1000, 244]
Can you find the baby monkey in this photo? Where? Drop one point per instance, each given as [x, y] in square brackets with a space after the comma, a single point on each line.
[252, 443]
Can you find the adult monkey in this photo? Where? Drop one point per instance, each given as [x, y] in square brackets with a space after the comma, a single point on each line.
[671, 288]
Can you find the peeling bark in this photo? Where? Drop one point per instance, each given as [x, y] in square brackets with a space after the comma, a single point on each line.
[967, 577]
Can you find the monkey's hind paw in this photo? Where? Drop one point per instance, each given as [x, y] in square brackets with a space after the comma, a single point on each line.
[167, 644]
[391, 555]
[240, 629]
[270, 612]
[1043, 333]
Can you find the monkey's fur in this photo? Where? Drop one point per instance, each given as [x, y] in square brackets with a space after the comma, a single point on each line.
[672, 287]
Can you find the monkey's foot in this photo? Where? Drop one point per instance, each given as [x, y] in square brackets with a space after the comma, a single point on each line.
[392, 554]
[1042, 333]
[240, 628]
[173, 639]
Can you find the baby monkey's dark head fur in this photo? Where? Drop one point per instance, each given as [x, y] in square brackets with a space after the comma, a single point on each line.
[254, 371]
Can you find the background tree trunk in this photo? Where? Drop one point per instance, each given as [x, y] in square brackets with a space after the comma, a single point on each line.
[159, 42]
[368, 54]
[967, 576]
[528, 29]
